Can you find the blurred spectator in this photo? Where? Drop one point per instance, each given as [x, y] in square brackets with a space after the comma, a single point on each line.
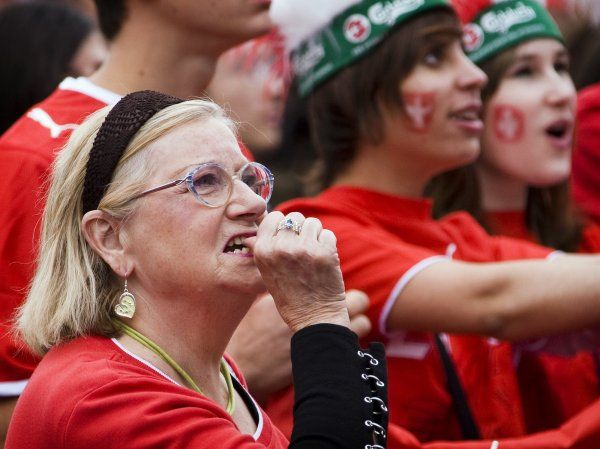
[578, 21]
[41, 44]
[250, 81]
[586, 154]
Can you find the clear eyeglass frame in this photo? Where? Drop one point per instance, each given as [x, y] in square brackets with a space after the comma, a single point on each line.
[254, 175]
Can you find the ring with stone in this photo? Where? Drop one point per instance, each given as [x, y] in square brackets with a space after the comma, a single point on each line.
[288, 223]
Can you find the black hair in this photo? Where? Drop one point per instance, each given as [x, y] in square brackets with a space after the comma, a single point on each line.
[111, 15]
[37, 44]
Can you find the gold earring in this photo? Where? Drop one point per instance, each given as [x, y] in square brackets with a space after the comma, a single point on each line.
[126, 306]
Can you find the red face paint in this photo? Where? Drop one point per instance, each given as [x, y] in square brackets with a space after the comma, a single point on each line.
[508, 123]
[419, 108]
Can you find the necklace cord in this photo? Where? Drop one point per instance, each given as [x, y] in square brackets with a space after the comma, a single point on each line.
[145, 341]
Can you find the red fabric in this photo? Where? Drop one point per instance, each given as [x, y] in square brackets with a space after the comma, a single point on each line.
[108, 399]
[245, 151]
[553, 388]
[381, 238]
[468, 10]
[581, 432]
[26, 151]
[512, 224]
[591, 239]
[586, 155]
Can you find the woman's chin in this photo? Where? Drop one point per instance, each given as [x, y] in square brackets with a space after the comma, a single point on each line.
[249, 285]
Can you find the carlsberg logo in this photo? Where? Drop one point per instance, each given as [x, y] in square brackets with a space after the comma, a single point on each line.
[309, 57]
[388, 12]
[502, 21]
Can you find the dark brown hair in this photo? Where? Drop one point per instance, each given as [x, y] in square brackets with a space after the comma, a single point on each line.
[39, 41]
[549, 213]
[347, 109]
[111, 15]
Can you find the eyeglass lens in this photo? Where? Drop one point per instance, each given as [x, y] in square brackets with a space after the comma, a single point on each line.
[258, 179]
[212, 184]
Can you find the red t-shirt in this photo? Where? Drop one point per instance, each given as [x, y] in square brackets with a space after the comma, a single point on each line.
[91, 393]
[512, 224]
[27, 151]
[586, 154]
[553, 388]
[384, 241]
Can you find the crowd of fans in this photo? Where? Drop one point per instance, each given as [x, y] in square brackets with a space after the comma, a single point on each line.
[281, 223]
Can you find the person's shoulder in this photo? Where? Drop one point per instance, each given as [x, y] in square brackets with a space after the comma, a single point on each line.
[475, 244]
[91, 392]
[341, 204]
[78, 364]
[98, 367]
[66, 374]
[319, 203]
[590, 239]
[589, 98]
[45, 127]
[464, 223]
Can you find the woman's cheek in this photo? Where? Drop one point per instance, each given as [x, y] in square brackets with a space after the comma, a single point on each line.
[419, 108]
[508, 123]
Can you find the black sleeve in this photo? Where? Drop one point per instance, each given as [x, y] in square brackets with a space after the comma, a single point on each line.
[340, 390]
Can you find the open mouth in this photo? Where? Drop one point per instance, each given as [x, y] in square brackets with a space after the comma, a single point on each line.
[236, 246]
[559, 129]
[470, 114]
[468, 118]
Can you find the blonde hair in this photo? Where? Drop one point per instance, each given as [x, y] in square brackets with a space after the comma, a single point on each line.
[74, 290]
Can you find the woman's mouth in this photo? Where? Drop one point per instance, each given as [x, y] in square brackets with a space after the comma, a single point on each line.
[236, 246]
[560, 134]
[469, 118]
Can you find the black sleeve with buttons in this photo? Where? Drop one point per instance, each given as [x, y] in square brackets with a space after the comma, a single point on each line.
[340, 390]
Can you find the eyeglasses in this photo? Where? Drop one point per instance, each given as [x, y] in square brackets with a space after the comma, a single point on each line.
[212, 185]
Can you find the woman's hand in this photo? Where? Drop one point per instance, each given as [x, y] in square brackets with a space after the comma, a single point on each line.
[301, 270]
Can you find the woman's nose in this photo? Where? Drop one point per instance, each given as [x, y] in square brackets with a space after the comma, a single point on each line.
[245, 203]
[471, 76]
[560, 90]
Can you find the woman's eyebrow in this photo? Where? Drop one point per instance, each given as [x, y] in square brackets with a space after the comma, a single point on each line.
[529, 57]
[562, 53]
[526, 57]
[184, 170]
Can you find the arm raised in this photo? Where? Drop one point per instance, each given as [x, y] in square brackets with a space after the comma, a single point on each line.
[506, 300]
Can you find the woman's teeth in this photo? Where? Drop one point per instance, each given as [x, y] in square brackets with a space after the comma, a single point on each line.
[236, 246]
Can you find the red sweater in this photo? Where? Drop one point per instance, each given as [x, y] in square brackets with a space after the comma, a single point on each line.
[90, 393]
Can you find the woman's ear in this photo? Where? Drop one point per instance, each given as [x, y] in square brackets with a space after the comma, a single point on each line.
[104, 235]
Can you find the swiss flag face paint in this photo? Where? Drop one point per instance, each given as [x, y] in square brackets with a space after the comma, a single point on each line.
[508, 123]
[419, 107]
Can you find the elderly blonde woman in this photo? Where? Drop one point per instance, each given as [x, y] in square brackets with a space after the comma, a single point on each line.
[155, 243]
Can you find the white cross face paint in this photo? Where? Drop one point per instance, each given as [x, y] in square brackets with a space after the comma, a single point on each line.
[419, 107]
[508, 123]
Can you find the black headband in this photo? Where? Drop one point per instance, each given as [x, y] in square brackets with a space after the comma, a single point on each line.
[120, 125]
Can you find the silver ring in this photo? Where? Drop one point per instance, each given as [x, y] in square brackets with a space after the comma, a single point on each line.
[289, 224]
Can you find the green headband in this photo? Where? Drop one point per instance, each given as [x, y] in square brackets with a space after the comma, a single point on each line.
[351, 35]
[505, 25]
